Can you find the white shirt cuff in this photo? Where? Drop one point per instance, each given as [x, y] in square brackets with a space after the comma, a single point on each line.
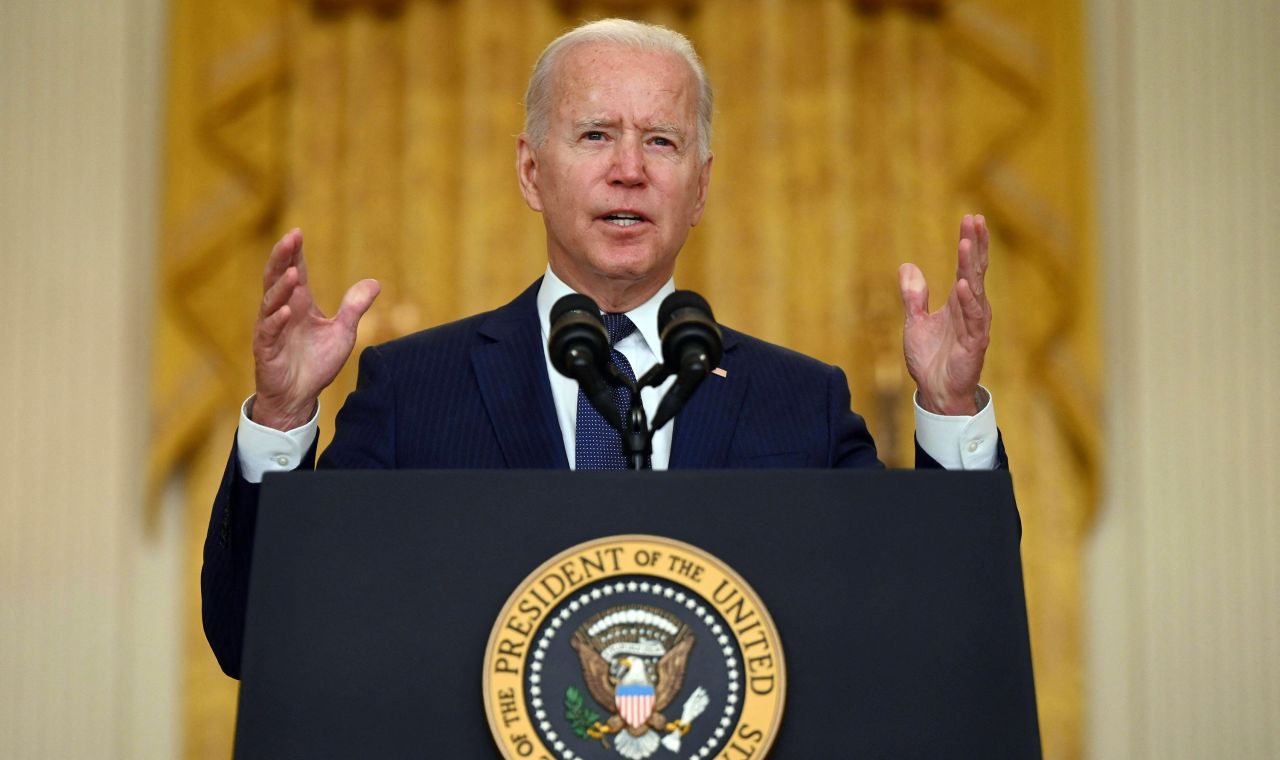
[961, 442]
[262, 449]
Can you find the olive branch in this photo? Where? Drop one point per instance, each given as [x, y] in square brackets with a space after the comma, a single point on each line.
[580, 716]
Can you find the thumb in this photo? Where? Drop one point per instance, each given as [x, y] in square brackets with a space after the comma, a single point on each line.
[915, 291]
[356, 302]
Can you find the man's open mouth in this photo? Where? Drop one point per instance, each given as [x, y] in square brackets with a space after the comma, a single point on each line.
[623, 218]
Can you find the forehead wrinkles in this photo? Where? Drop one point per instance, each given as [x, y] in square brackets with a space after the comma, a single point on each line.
[636, 88]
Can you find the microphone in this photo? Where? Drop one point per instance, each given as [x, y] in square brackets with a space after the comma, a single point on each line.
[692, 346]
[579, 348]
[578, 337]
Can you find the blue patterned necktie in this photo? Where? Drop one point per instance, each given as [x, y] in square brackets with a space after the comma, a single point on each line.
[597, 445]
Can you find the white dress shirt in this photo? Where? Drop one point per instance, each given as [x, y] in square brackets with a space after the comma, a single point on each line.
[956, 443]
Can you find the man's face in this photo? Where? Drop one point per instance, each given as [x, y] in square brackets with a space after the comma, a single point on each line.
[618, 178]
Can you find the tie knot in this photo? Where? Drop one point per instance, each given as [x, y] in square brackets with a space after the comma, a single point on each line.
[619, 327]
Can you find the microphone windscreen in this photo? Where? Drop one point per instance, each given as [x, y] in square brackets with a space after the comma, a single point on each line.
[681, 299]
[573, 302]
[686, 325]
[577, 332]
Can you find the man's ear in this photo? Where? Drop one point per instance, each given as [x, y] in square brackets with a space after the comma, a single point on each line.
[704, 183]
[527, 172]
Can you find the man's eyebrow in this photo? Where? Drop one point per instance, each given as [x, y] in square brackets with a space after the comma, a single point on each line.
[666, 128]
[600, 122]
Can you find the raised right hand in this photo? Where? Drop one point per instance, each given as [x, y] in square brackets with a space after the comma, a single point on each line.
[297, 351]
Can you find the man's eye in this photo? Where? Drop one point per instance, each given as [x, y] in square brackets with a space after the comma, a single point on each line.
[594, 135]
[663, 142]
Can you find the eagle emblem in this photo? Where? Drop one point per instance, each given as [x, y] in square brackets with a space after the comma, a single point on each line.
[633, 662]
[630, 647]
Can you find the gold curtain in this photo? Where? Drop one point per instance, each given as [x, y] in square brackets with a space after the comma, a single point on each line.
[850, 136]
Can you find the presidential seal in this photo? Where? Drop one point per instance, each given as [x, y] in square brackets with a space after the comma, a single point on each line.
[634, 647]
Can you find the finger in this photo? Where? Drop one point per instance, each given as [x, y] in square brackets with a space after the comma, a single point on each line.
[969, 258]
[984, 245]
[973, 312]
[966, 268]
[968, 236]
[915, 291]
[279, 293]
[270, 327]
[356, 302]
[281, 258]
[984, 241]
[301, 263]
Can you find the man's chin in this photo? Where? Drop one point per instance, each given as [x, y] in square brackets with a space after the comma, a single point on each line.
[616, 282]
[631, 268]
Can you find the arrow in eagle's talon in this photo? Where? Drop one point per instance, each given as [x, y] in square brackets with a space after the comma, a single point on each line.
[599, 731]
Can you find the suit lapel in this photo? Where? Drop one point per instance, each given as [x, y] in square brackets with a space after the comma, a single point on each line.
[511, 370]
[704, 429]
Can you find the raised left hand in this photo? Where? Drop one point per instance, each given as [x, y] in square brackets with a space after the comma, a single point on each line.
[945, 349]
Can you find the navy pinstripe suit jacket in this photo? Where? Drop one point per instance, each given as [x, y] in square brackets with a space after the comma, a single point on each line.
[475, 394]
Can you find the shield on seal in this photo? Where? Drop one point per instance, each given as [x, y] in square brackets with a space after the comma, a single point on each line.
[635, 703]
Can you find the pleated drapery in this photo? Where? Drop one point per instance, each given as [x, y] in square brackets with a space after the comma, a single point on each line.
[849, 136]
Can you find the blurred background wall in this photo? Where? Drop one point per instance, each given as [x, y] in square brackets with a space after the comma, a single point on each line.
[90, 590]
[1184, 589]
[1177, 106]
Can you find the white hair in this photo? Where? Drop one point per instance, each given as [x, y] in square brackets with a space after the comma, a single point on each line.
[626, 33]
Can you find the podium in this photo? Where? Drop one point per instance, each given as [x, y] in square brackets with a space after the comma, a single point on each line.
[897, 596]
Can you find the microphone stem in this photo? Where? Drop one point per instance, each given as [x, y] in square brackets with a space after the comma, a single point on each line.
[637, 440]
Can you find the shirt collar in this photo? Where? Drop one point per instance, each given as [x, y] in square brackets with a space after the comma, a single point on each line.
[645, 316]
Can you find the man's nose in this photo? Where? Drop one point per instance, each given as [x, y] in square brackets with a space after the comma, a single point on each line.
[628, 167]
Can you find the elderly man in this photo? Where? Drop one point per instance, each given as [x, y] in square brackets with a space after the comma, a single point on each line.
[616, 157]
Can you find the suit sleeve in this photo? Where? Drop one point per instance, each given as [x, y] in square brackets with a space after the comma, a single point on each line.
[364, 438]
[228, 556]
[851, 442]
